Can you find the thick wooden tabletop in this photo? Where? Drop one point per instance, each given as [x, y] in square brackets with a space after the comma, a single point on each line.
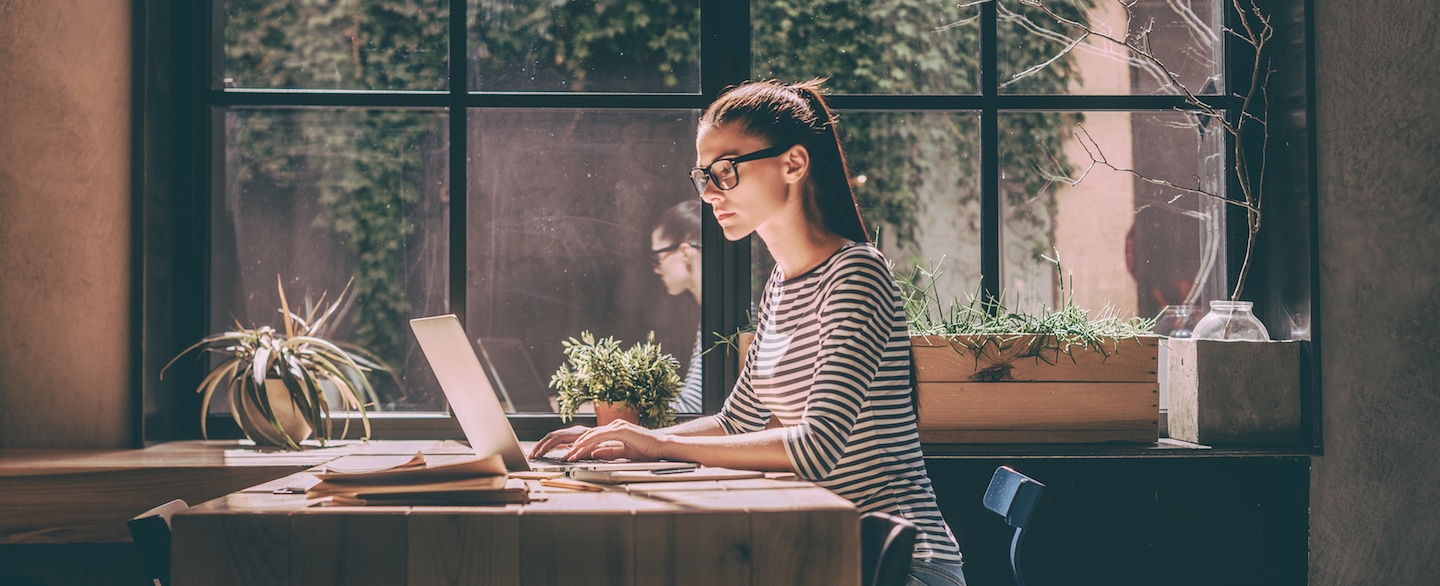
[757, 531]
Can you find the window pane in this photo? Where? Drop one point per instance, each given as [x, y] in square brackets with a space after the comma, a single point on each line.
[585, 45]
[1185, 35]
[917, 179]
[357, 45]
[318, 198]
[883, 47]
[562, 208]
[1124, 242]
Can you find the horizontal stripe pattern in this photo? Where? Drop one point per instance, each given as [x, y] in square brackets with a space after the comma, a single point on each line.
[831, 360]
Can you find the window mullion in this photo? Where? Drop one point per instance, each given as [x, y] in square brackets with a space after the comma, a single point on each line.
[990, 202]
[459, 84]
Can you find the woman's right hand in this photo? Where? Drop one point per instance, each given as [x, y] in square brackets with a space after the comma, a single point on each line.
[559, 438]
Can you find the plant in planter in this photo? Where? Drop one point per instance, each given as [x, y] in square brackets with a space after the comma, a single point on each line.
[985, 373]
[277, 380]
[642, 380]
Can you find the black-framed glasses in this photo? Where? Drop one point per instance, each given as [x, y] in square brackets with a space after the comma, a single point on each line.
[658, 255]
[723, 172]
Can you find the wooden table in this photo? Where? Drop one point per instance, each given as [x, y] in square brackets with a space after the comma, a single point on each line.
[758, 531]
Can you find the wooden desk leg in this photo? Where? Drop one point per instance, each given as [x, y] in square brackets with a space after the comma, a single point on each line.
[699, 549]
[806, 547]
[226, 550]
[348, 547]
[446, 548]
[596, 549]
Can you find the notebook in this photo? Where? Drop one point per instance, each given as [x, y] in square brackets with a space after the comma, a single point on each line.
[473, 400]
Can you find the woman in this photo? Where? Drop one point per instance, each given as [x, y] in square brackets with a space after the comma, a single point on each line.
[675, 244]
[831, 356]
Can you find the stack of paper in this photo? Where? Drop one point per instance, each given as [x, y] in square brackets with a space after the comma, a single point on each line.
[418, 480]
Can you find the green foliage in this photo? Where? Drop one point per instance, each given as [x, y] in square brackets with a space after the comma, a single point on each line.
[302, 358]
[986, 320]
[354, 160]
[599, 370]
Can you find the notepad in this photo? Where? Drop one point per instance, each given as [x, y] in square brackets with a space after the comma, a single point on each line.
[690, 475]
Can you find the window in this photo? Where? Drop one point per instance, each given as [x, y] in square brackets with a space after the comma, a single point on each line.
[521, 189]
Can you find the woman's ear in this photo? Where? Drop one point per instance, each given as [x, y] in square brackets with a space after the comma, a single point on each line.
[795, 163]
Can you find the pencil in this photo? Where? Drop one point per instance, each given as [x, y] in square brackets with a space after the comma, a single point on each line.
[571, 484]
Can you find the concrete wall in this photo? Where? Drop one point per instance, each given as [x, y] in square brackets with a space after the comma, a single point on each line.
[65, 223]
[1375, 495]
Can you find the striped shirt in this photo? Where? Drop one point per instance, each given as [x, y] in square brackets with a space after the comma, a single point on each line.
[831, 360]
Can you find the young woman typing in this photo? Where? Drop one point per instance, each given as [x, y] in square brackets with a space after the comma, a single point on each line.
[831, 356]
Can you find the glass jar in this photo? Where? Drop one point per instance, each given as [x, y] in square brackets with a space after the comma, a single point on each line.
[1177, 321]
[1230, 320]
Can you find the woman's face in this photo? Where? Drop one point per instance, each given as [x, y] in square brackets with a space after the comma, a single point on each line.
[673, 266]
[762, 189]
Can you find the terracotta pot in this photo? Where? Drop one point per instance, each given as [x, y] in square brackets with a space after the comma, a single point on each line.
[607, 412]
[291, 420]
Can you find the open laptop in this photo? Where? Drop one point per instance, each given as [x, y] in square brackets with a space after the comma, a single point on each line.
[472, 398]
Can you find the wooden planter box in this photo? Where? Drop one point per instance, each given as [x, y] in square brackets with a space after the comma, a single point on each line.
[1008, 394]
[1014, 393]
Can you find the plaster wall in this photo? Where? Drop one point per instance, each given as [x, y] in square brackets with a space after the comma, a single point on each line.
[1374, 516]
[65, 223]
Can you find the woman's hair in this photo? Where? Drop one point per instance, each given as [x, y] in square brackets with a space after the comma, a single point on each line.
[680, 222]
[790, 115]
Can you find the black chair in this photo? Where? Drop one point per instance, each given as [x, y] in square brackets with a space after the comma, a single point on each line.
[887, 544]
[1013, 495]
[151, 533]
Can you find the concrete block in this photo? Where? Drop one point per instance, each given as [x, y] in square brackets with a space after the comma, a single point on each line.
[1234, 392]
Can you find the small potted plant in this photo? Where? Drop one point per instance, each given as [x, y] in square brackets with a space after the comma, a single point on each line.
[281, 383]
[638, 384]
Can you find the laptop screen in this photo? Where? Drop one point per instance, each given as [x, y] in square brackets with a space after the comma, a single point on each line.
[468, 389]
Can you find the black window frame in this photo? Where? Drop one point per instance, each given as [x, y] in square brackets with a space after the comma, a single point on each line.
[179, 101]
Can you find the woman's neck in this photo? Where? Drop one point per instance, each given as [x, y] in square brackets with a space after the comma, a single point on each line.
[797, 251]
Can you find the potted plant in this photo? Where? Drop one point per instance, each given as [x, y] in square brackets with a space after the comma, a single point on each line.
[638, 384]
[281, 383]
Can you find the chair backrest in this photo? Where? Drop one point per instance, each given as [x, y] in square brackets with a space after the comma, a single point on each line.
[1014, 496]
[887, 544]
[151, 532]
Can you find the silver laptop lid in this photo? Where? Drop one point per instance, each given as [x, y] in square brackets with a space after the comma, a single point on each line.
[468, 389]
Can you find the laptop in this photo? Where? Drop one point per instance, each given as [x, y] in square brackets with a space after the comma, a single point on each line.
[473, 400]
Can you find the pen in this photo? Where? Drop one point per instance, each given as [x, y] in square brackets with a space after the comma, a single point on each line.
[673, 470]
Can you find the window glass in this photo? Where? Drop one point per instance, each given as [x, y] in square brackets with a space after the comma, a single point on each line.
[917, 179]
[562, 210]
[1123, 241]
[1185, 35]
[318, 198]
[584, 45]
[355, 45]
[881, 47]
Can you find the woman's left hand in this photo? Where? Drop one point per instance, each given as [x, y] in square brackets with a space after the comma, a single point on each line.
[619, 439]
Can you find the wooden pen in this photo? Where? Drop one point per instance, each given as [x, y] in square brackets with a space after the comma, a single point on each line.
[571, 484]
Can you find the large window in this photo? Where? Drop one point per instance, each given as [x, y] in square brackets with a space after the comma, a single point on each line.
[507, 161]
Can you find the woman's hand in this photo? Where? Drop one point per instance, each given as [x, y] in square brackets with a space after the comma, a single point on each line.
[557, 439]
[619, 439]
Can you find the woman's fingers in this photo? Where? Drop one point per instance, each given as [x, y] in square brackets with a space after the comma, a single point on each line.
[556, 439]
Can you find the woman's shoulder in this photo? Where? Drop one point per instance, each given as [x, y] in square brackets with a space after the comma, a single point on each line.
[860, 255]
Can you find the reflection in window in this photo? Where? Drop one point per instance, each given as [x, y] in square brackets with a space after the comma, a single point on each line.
[1123, 242]
[563, 205]
[320, 197]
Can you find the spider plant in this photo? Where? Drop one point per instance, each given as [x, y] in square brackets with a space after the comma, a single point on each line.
[302, 358]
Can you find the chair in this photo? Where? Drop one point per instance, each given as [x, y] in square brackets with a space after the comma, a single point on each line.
[151, 533]
[887, 544]
[1013, 495]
